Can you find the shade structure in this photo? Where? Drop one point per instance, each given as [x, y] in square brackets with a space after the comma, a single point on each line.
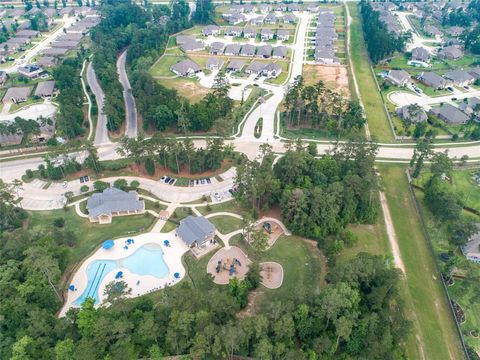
[166, 243]
[108, 244]
[119, 275]
[176, 275]
[71, 287]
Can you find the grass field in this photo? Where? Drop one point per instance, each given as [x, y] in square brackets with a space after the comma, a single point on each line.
[228, 206]
[179, 214]
[433, 335]
[463, 184]
[162, 66]
[89, 235]
[226, 224]
[376, 117]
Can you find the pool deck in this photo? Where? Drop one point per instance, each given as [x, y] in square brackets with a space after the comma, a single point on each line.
[172, 256]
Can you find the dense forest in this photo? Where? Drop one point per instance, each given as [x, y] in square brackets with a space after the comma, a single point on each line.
[318, 197]
[321, 108]
[380, 42]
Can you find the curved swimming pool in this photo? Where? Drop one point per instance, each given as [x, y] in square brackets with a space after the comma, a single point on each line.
[147, 260]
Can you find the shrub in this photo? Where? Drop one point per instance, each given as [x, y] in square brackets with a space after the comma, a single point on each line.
[120, 184]
[59, 222]
[134, 184]
[29, 173]
[150, 166]
[84, 188]
[100, 185]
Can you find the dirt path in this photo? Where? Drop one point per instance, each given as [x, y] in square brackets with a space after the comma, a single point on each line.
[392, 236]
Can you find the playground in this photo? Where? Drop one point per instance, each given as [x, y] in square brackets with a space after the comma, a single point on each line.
[228, 263]
[273, 228]
[272, 274]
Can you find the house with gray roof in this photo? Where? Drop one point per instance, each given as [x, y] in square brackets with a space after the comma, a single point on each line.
[406, 113]
[235, 65]
[46, 61]
[325, 55]
[475, 72]
[232, 49]
[255, 67]
[249, 33]
[65, 44]
[3, 77]
[10, 139]
[460, 77]
[247, 50]
[45, 89]
[432, 31]
[471, 249]
[27, 34]
[266, 34]
[450, 114]
[214, 63]
[186, 67]
[271, 19]
[455, 31]
[102, 207]
[211, 30]
[289, 19]
[182, 39]
[279, 52]
[196, 231]
[55, 51]
[264, 51]
[421, 54]
[216, 48]
[257, 20]
[17, 94]
[283, 35]
[471, 106]
[433, 80]
[272, 70]
[234, 31]
[398, 77]
[192, 46]
[450, 53]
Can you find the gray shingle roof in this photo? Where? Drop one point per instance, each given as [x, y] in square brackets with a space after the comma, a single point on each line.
[113, 200]
[433, 79]
[195, 229]
[450, 114]
[45, 88]
[17, 93]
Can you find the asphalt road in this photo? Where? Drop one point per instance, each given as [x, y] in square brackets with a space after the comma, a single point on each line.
[101, 132]
[130, 107]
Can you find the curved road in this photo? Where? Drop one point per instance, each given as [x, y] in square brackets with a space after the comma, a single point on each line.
[101, 132]
[130, 107]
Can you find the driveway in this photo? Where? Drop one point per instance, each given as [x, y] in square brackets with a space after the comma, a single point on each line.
[402, 98]
[130, 107]
[31, 112]
[416, 40]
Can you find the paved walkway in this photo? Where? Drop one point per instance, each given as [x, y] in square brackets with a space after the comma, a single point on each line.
[130, 107]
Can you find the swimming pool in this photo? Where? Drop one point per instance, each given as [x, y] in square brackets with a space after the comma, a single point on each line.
[147, 260]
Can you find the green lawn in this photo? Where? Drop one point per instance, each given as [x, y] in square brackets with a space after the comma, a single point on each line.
[89, 235]
[433, 335]
[162, 66]
[228, 206]
[226, 224]
[462, 183]
[179, 214]
[376, 116]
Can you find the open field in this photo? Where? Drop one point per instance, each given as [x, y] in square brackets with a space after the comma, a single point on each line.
[163, 65]
[335, 77]
[89, 235]
[433, 335]
[377, 119]
[226, 224]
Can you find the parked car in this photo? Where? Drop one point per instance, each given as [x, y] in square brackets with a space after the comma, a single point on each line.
[449, 88]
[171, 182]
[167, 179]
[208, 180]
[163, 178]
[218, 197]
[466, 87]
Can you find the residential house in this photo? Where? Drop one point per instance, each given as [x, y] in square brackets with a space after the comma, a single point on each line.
[460, 77]
[211, 30]
[455, 31]
[405, 113]
[247, 50]
[186, 67]
[216, 48]
[272, 70]
[255, 67]
[450, 53]
[30, 71]
[432, 31]
[279, 52]
[214, 63]
[71, 37]
[182, 39]
[289, 19]
[398, 77]
[46, 61]
[475, 72]
[55, 51]
[293, 7]
[233, 31]
[265, 8]
[249, 33]
[271, 19]
[264, 51]
[324, 55]
[45, 89]
[17, 94]
[433, 80]
[102, 207]
[232, 49]
[266, 34]
[283, 35]
[235, 65]
[192, 46]
[7, 139]
[196, 231]
[450, 114]
[471, 249]
[257, 20]
[312, 8]
[27, 34]
[421, 54]
[471, 106]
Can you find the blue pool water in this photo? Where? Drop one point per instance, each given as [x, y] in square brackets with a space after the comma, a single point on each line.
[147, 260]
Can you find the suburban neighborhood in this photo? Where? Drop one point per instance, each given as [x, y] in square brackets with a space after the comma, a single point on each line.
[204, 179]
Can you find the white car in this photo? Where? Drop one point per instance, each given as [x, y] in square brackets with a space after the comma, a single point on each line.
[218, 197]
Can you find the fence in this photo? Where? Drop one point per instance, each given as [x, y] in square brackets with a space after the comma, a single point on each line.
[430, 246]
